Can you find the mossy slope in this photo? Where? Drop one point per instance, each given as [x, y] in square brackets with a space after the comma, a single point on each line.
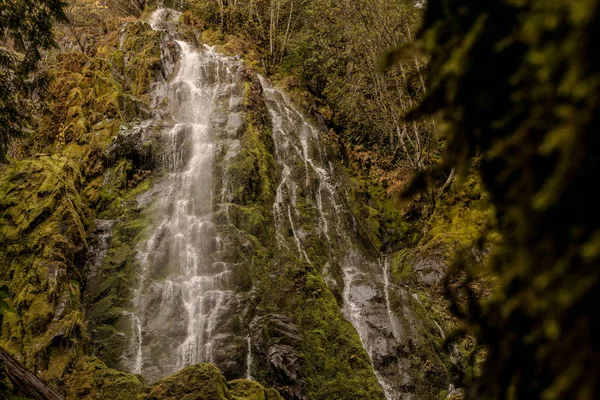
[48, 201]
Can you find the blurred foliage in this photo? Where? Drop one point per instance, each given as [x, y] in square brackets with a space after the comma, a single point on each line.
[518, 82]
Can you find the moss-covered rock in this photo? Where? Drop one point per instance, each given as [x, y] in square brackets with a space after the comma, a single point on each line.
[205, 382]
[92, 379]
[197, 382]
[242, 389]
[42, 231]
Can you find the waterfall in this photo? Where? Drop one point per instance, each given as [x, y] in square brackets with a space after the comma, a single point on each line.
[185, 292]
[188, 305]
[308, 178]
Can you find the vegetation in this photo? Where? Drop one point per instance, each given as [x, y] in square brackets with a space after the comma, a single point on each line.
[4, 307]
[25, 30]
[492, 109]
[322, 51]
[518, 86]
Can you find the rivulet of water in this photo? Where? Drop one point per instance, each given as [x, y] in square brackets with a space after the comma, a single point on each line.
[308, 181]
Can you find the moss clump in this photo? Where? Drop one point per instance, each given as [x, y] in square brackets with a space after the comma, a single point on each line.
[137, 57]
[462, 217]
[90, 105]
[91, 379]
[242, 389]
[200, 382]
[402, 270]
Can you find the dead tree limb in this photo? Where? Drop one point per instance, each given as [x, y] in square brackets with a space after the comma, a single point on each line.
[25, 381]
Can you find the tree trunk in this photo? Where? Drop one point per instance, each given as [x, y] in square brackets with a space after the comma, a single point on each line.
[25, 381]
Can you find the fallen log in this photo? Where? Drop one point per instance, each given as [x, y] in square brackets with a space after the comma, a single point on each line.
[25, 381]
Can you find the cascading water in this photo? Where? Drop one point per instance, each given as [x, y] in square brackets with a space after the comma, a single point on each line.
[249, 359]
[308, 180]
[185, 294]
[195, 295]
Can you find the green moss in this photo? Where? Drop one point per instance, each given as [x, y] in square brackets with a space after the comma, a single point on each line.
[212, 36]
[253, 170]
[200, 382]
[242, 389]
[336, 363]
[42, 226]
[48, 202]
[402, 270]
[253, 219]
[91, 379]
[460, 219]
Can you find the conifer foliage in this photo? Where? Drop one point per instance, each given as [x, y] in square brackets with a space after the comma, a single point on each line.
[25, 30]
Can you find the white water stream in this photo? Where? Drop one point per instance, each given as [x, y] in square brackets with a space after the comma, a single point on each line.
[308, 180]
[184, 290]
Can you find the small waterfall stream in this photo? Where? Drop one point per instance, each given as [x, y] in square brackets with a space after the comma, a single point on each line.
[308, 178]
[249, 358]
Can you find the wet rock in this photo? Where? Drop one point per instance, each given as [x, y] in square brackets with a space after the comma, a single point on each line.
[100, 238]
[227, 355]
[430, 268]
[284, 360]
[275, 343]
[129, 144]
[202, 381]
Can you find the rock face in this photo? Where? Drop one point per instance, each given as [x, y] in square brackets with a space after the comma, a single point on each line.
[275, 342]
